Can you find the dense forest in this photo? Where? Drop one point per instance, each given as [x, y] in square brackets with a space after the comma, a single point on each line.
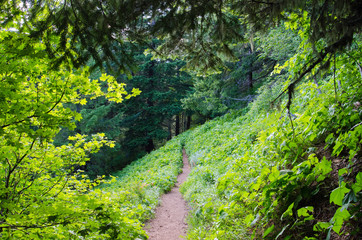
[99, 98]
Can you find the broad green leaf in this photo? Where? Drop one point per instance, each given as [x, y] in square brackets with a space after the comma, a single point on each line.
[337, 195]
[321, 226]
[304, 212]
[274, 174]
[357, 186]
[288, 212]
[329, 139]
[342, 171]
[339, 218]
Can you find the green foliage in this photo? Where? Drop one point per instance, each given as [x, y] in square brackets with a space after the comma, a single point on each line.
[137, 125]
[246, 77]
[149, 117]
[259, 175]
[206, 97]
[42, 196]
[136, 188]
[207, 28]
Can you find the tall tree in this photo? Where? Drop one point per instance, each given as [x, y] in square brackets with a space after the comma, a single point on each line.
[238, 85]
[162, 85]
[200, 31]
[138, 125]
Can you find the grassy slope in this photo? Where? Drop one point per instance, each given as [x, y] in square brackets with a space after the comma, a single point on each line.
[254, 176]
[136, 189]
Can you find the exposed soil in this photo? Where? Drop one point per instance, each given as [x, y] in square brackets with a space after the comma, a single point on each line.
[170, 218]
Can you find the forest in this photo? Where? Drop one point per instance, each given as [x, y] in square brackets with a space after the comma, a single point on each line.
[98, 100]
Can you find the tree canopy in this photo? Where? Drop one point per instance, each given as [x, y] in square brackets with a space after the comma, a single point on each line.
[233, 51]
[203, 28]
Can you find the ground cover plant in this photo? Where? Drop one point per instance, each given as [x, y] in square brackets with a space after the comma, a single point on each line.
[143, 181]
[43, 192]
[285, 167]
[273, 174]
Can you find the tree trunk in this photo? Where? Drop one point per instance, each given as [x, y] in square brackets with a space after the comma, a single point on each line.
[150, 146]
[169, 128]
[177, 128]
[250, 74]
[250, 78]
[188, 122]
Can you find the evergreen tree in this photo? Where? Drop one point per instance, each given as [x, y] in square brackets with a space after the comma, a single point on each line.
[204, 27]
[148, 117]
[138, 125]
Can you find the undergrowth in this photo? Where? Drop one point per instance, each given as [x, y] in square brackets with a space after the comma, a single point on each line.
[136, 189]
[270, 175]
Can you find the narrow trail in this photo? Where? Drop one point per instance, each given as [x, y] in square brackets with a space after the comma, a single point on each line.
[170, 218]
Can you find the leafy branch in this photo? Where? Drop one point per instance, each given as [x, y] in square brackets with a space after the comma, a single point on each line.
[308, 67]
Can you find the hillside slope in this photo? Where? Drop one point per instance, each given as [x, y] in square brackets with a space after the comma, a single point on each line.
[135, 191]
[264, 174]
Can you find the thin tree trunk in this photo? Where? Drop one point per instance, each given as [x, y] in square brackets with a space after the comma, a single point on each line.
[150, 146]
[177, 128]
[169, 127]
[185, 122]
[250, 74]
[188, 122]
[250, 78]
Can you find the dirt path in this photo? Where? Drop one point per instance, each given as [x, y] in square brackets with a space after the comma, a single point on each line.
[170, 219]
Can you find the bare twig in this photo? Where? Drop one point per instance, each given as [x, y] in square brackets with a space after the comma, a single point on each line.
[356, 125]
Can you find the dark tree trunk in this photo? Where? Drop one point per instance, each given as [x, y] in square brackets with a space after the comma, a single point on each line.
[250, 78]
[177, 128]
[250, 74]
[188, 122]
[169, 127]
[184, 122]
[150, 146]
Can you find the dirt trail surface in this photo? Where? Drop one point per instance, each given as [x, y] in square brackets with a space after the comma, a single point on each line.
[170, 218]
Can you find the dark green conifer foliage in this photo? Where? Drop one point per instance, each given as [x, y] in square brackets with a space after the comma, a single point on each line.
[138, 125]
[202, 32]
[162, 86]
[203, 28]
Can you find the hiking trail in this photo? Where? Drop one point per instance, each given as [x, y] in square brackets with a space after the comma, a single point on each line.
[170, 217]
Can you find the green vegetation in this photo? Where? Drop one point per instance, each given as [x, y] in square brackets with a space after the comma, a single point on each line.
[268, 174]
[136, 125]
[136, 190]
[42, 194]
[88, 86]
